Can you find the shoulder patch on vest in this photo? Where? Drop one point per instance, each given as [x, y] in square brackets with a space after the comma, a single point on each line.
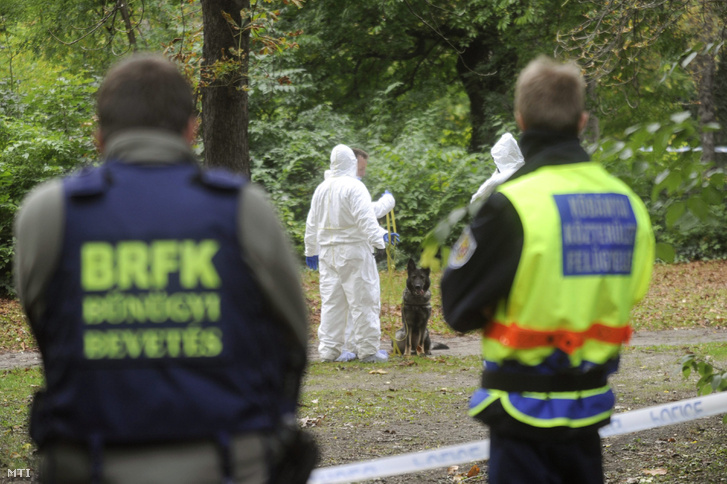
[462, 250]
[88, 182]
[221, 179]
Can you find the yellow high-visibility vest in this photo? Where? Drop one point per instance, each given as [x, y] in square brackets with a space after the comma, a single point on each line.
[587, 257]
[588, 252]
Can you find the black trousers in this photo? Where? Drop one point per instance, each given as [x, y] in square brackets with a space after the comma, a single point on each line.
[514, 460]
[522, 454]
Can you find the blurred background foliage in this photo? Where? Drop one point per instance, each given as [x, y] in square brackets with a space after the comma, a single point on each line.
[425, 89]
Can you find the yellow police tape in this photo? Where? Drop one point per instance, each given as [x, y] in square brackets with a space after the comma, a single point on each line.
[390, 265]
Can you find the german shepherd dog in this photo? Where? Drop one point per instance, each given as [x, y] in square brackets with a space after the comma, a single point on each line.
[415, 312]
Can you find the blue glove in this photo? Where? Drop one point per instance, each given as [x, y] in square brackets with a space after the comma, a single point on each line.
[394, 238]
[312, 262]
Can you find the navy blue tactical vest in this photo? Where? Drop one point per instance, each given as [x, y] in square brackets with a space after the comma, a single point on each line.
[155, 328]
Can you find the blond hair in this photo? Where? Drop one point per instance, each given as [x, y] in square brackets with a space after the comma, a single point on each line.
[550, 95]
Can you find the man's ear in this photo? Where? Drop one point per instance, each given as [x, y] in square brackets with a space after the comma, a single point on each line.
[190, 131]
[520, 122]
[583, 122]
[99, 141]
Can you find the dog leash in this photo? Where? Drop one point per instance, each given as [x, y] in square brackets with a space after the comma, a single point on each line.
[390, 221]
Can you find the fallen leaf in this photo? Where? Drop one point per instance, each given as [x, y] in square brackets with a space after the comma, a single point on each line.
[309, 422]
[474, 470]
[378, 372]
[452, 470]
[655, 472]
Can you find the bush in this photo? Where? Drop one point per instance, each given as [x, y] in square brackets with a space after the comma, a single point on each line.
[685, 196]
[29, 155]
[289, 158]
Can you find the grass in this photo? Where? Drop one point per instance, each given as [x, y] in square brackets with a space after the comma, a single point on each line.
[15, 334]
[692, 295]
[385, 395]
[689, 295]
[18, 386]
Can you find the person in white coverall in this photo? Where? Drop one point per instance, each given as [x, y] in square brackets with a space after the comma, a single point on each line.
[341, 232]
[382, 206]
[508, 159]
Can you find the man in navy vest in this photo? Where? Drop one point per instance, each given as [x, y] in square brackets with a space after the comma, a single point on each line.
[166, 303]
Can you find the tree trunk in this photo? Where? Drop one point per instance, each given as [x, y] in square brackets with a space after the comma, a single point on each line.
[706, 111]
[487, 70]
[224, 96]
[720, 98]
[130, 35]
[592, 132]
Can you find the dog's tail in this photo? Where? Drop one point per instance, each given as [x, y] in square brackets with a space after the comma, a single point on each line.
[440, 346]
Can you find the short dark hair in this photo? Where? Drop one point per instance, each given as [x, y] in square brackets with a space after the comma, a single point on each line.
[144, 91]
[359, 152]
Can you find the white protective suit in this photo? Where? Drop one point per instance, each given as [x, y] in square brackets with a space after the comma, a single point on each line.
[508, 158]
[382, 206]
[343, 227]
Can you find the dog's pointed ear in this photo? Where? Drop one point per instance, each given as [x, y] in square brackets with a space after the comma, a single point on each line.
[426, 271]
[411, 265]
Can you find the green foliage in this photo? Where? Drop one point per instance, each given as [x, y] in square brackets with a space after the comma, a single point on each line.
[426, 178]
[414, 52]
[428, 182]
[29, 155]
[289, 158]
[711, 378]
[685, 196]
[46, 123]
[64, 105]
[18, 387]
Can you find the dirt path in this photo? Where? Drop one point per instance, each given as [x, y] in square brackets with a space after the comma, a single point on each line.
[463, 345]
[469, 344]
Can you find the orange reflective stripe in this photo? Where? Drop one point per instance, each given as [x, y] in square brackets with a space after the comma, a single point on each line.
[514, 336]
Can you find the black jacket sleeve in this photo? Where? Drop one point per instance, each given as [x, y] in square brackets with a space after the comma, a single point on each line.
[472, 287]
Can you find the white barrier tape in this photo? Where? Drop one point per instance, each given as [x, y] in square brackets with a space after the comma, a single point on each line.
[623, 423]
[667, 414]
[402, 464]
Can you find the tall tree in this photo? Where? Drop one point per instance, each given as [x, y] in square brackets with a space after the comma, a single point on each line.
[623, 42]
[224, 82]
[91, 34]
[357, 50]
[707, 21]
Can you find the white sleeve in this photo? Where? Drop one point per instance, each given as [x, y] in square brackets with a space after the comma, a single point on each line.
[363, 213]
[383, 205]
[311, 230]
